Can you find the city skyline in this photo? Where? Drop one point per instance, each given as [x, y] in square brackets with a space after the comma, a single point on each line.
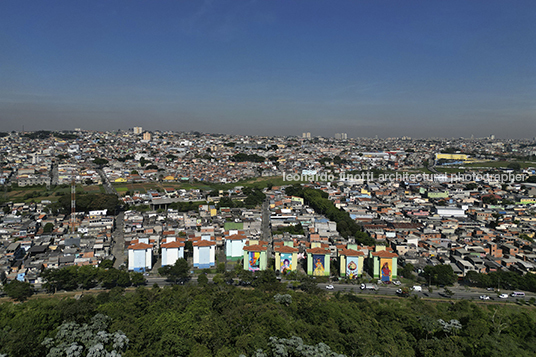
[390, 69]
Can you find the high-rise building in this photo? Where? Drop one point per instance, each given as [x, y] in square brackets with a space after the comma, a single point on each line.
[138, 130]
[147, 136]
[341, 136]
[306, 135]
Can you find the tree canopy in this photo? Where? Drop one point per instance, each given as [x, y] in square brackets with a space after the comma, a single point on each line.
[179, 271]
[222, 320]
[18, 290]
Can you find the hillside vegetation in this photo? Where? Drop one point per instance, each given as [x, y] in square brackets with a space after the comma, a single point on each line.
[223, 320]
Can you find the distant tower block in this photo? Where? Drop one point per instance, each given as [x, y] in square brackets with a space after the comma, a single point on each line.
[138, 130]
[147, 136]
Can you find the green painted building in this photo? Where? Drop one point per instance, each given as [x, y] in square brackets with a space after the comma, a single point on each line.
[384, 265]
[255, 258]
[318, 263]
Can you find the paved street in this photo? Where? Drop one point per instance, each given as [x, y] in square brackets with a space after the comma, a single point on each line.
[459, 292]
[118, 249]
[266, 231]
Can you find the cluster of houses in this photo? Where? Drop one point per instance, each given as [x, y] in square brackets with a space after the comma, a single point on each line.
[35, 240]
[471, 224]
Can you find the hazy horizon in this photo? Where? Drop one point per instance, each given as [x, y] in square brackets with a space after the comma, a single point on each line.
[366, 68]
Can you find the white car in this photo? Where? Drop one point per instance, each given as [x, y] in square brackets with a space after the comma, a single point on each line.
[503, 296]
[396, 282]
[329, 287]
[484, 297]
[417, 288]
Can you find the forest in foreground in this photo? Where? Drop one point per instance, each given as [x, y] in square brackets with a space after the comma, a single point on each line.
[223, 320]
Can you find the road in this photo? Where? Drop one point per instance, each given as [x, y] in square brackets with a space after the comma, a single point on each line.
[266, 230]
[54, 174]
[108, 188]
[459, 292]
[118, 240]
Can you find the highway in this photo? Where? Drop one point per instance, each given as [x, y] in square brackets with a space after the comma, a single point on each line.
[390, 290]
[439, 293]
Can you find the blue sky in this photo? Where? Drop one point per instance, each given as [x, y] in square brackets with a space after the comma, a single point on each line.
[367, 67]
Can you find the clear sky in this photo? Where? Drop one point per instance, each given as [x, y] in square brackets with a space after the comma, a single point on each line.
[364, 67]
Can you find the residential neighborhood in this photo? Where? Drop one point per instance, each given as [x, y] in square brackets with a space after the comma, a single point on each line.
[468, 219]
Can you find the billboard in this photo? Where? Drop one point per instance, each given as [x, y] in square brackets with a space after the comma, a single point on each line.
[318, 264]
[352, 266]
[386, 269]
[286, 263]
[254, 261]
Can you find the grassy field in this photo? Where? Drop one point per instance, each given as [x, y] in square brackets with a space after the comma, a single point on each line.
[450, 170]
[501, 164]
[259, 182]
[39, 193]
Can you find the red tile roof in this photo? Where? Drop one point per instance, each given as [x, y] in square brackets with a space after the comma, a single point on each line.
[384, 254]
[173, 245]
[236, 237]
[255, 248]
[286, 249]
[318, 250]
[203, 243]
[140, 246]
[351, 252]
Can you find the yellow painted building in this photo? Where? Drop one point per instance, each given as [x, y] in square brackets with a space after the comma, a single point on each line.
[457, 157]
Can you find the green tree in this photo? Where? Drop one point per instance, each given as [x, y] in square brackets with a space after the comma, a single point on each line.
[18, 290]
[137, 279]
[407, 271]
[93, 339]
[87, 276]
[218, 279]
[179, 271]
[514, 166]
[48, 228]
[440, 274]
[202, 279]
[60, 279]
[220, 268]
[106, 264]
[100, 161]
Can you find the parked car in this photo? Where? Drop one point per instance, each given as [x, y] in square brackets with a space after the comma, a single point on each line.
[490, 289]
[417, 288]
[503, 296]
[329, 287]
[396, 282]
[368, 287]
[484, 297]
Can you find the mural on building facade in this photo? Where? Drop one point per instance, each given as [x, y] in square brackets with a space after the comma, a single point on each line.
[286, 263]
[352, 264]
[386, 269]
[318, 265]
[254, 261]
